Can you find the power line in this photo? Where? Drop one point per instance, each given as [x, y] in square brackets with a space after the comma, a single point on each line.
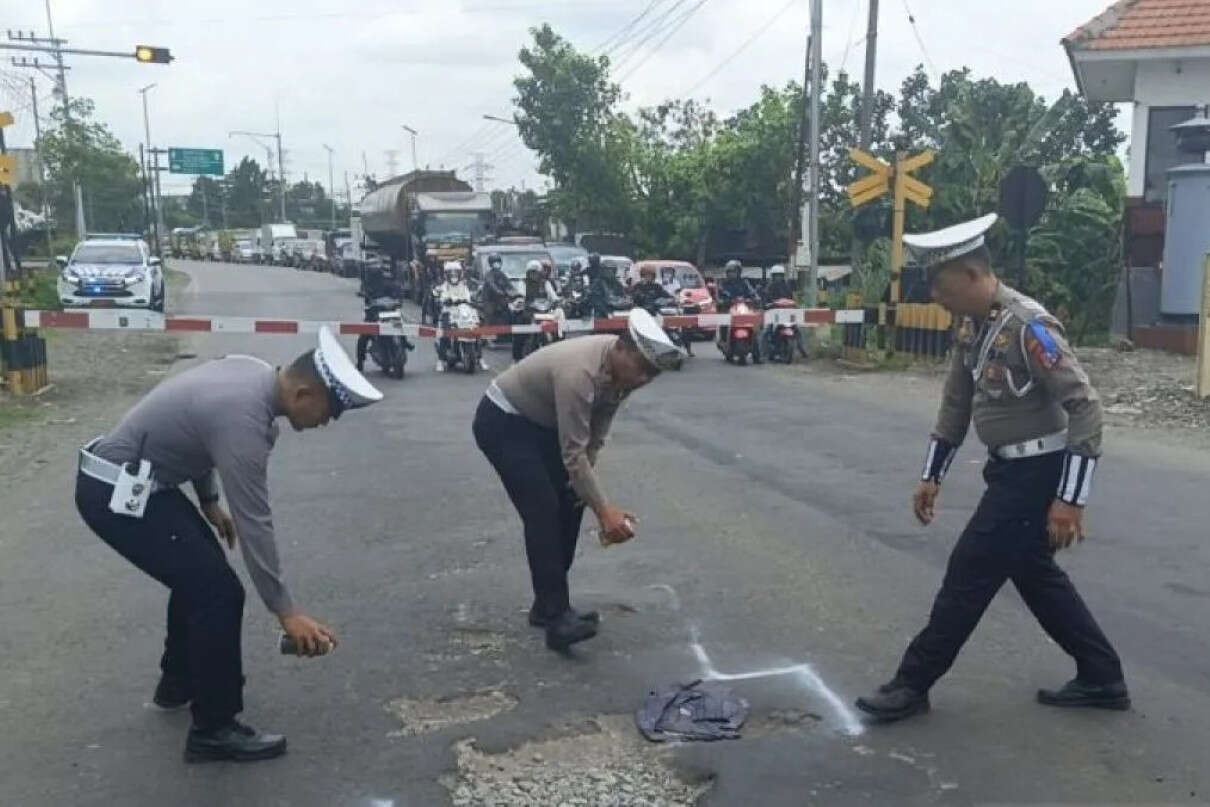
[755, 36]
[676, 27]
[636, 42]
[616, 36]
[852, 24]
[919, 40]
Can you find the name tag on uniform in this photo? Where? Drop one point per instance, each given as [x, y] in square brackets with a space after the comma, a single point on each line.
[131, 491]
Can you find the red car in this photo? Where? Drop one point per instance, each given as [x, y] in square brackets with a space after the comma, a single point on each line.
[687, 282]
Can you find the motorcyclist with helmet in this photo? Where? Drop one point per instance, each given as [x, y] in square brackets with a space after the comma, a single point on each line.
[779, 289]
[651, 295]
[452, 291]
[497, 290]
[733, 288]
[599, 293]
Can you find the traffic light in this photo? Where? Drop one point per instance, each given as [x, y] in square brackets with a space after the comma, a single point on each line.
[150, 55]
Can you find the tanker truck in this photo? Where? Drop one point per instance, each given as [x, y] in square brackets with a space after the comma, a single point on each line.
[424, 219]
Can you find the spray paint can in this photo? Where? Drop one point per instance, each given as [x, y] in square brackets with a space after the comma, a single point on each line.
[605, 543]
[290, 647]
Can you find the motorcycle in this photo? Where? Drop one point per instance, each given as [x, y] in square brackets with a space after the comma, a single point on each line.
[538, 311]
[782, 335]
[738, 342]
[466, 351]
[390, 353]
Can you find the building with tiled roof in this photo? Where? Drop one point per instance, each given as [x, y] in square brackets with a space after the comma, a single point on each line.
[1155, 55]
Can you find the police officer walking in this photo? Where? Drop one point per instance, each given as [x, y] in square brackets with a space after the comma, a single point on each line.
[1033, 406]
[213, 422]
[541, 425]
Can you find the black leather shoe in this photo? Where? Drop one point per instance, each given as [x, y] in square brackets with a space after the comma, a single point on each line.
[893, 701]
[568, 629]
[1078, 693]
[539, 621]
[235, 741]
[172, 693]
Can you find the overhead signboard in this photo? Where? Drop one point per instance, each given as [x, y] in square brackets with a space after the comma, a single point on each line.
[195, 161]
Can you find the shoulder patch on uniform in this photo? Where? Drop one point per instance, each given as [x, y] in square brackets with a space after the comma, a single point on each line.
[1042, 345]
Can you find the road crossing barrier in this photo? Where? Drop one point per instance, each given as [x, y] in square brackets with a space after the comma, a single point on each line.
[139, 320]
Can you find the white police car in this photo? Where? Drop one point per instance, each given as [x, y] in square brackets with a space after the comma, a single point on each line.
[111, 271]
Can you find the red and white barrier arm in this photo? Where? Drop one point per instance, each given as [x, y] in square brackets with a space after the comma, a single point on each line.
[114, 319]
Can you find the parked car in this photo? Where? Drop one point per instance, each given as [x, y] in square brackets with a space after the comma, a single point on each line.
[109, 272]
[243, 252]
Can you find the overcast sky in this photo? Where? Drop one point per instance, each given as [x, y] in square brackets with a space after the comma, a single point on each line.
[352, 74]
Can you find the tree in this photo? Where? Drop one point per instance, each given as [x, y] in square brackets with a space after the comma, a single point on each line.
[84, 150]
[246, 194]
[565, 113]
[206, 200]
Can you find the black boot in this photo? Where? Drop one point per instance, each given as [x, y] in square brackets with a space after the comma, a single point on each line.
[235, 741]
[172, 693]
[567, 629]
[538, 621]
[893, 701]
[1078, 693]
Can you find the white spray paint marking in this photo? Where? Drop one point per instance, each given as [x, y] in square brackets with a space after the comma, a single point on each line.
[845, 721]
[676, 601]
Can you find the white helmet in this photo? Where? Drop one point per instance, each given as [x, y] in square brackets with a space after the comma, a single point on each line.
[453, 271]
[533, 266]
[777, 269]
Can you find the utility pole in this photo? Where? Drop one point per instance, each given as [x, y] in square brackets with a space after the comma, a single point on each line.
[392, 156]
[797, 213]
[331, 185]
[157, 192]
[205, 206]
[413, 133]
[156, 233]
[81, 227]
[867, 87]
[816, 55]
[33, 97]
[281, 169]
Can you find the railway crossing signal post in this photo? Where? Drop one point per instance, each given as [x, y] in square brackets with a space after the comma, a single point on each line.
[897, 180]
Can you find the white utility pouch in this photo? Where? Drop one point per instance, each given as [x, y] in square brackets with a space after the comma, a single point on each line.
[131, 491]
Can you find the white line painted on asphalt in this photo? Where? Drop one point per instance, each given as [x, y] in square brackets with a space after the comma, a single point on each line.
[845, 720]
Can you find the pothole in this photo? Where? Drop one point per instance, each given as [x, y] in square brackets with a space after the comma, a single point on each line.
[607, 766]
[432, 714]
[478, 642]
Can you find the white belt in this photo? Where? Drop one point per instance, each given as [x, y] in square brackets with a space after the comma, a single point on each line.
[103, 470]
[496, 396]
[1036, 447]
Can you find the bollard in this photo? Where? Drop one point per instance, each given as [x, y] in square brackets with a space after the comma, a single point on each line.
[9, 333]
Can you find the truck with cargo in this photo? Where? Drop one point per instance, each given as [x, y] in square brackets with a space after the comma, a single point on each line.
[423, 220]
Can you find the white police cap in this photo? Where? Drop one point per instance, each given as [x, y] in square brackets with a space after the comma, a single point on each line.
[652, 342]
[941, 246]
[347, 388]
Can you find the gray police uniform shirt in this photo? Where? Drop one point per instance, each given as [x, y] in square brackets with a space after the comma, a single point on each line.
[216, 417]
[568, 387]
[1016, 376]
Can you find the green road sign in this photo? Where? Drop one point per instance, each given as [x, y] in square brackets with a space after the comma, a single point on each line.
[195, 161]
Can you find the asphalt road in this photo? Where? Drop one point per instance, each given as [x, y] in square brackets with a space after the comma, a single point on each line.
[774, 526]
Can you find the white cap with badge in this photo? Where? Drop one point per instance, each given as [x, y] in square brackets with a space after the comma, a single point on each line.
[347, 388]
[941, 246]
[651, 341]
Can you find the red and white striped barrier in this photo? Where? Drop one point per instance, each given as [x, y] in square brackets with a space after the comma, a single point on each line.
[113, 319]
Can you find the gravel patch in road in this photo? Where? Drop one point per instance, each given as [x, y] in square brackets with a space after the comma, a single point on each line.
[432, 714]
[607, 766]
[1147, 388]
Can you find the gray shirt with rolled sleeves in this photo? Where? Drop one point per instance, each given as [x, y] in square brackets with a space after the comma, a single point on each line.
[216, 419]
[1016, 376]
[567, 387]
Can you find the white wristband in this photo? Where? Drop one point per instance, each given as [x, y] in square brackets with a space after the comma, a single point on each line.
[1076, 482]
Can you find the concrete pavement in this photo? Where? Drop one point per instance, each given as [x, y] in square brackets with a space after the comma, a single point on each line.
[775, 529]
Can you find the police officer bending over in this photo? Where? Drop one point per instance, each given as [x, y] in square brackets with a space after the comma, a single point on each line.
[213, 422]
[1039, 416]
[541, 425]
